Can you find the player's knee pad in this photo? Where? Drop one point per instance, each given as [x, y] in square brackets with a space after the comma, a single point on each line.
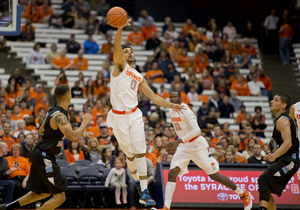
[141, 166]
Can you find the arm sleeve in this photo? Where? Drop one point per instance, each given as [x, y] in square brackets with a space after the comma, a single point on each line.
[191, 118]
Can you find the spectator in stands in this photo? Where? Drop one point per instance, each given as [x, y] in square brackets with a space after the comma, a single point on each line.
[61, 79]
[82, 3]
[148, 29]
[21, 170]
[73, 46]
[104, 137]
[144, 17]
[52, 53]
[44, 105]
[163, 62]
[135, 37]
[202, 113]
[202, 60]
[188, 26]
[106, 46]
[222, 89]
[192, 94]
[249, 135]
[56, 21]
[80, 21]
[258, 115]
[104, 27]
[184, 97]
[183, 43]
[168, 22]
[38, 94]
[267, 82]
[27, 35]
[156, 74]
[271, 30]
[9, 185]
[208, 139]
[244, 62]
[257, 157]
[193, 82]
[106, 155]
[46, 12]
[230, 153]
[29, 143]
[7, 137]
[225, 109]
[61, 62]
[23, 107]
[211, 119]
[89, 89]
[223, 140]
[236, 103]
[259, 127]
[250, 148]
[230, 30]
[33, 12]
[35, 56]
[10, 96]
[286, 33]
[240, 86]
[94, 151]
[153, 42]
[21, 129]
[215, 100]
[102, 8]
[183, 58]
[217, 134]
[175, 51]
[219, 53]
[249, 31]
[171, 32]
[68, 19]
[207, 81]
[242, 115]
[74, 153]
[16, 75]
[256, 87]
[250, 49]
[235, 49]
[213, 30]
[91, 26]
[80, 63]
[28, 21]
[14, 125]
[90, 46]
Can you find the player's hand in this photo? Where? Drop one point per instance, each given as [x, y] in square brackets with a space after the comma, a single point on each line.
[270, 157]
[87, 118]
[126, 24]
[173, 145]
[178, 107]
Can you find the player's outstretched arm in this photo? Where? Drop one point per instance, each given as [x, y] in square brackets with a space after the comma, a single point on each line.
[282, 125]
[157, 99]
[118, 53]
[66, 128]
[292, 111]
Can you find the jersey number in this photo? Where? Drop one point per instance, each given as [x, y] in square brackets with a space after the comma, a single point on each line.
[177, 127]
[133, 84]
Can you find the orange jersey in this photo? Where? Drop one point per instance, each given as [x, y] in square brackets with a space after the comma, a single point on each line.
[95, 91]
[184, 97]
[183, 60]
[207, 82]
[242, 90]
[81, 65]
[152, 157]
[102, 91]
[156, 75]
[10, 99]
[186, 29]
[135, 38]
[93, 131]
[203, 37]
[38, 97]
[103, 141]
[20, 166]
[70, 156]
[214, 141]
[96, 112]
[174, 53]
[23, 28]
[17, 118]
[30, 127]
[244, 146]
[288, 31]
[147, 32]
[26, 111]
[61, 61]
[165, 95]
[10, 140]
[34, 17]
[106, 47]
[37, 108]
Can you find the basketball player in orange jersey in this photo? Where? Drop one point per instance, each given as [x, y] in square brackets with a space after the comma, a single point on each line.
[125, 118]
[192, 146]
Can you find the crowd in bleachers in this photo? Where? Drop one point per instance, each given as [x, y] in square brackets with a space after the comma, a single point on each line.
[209, 59]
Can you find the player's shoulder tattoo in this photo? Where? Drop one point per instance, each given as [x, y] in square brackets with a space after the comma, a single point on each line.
[61, 119]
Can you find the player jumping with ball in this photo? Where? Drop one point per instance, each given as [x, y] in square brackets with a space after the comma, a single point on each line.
[192, 146]
[125, 118]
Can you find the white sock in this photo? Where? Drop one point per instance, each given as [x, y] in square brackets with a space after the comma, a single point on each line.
[238, 191]
[143, 184]
[141, 166]
[131, 166]
[170, 188]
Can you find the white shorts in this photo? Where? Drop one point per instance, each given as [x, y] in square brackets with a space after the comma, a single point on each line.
[197, 151]
[129, 131]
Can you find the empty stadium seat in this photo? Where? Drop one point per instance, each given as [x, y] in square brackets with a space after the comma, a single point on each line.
[62, 163]
[83, 163]
[99, 167]
[76, 167]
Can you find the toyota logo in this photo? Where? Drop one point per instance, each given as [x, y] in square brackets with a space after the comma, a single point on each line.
[222, 196]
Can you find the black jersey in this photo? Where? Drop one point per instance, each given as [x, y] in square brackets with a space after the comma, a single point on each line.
[294, 149]
[51, 141]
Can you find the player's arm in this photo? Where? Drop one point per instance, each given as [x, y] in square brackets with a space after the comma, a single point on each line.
[292, 111]
[41, 129]
[157, 99]
[66, 128]
[283, 126]
[118, 53]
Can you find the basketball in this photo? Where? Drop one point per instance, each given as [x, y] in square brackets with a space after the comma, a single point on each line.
[116, 17]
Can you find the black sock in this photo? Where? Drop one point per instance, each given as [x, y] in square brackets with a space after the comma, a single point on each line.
[262, 208]
[13, 205]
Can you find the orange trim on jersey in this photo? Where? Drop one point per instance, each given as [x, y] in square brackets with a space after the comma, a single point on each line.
[175, 119]
[124, 112]
[193, 139]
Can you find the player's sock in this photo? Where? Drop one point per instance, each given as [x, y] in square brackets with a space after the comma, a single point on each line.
[13, 205]
[239, 191]
[170, 188]
[141, 167]
[131, 166]
[262, 208]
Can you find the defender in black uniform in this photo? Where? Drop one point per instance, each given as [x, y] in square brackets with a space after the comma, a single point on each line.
[45, 176]
[285, 159]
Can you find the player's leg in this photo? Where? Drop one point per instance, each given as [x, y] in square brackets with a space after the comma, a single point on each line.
[171, 185]
[54, 202]
[272, 204]
[263, 189]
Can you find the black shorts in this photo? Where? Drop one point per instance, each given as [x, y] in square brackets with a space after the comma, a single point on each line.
[45, 175]
[280, 172]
